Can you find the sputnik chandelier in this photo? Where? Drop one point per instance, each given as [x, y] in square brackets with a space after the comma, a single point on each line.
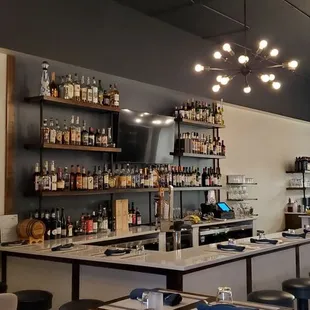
[245, 64]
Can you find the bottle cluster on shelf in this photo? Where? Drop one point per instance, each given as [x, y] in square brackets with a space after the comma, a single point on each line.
[193, 142]
[302, 164]
[123, 176]
[74, 134]
[83, 90]
[201, 111]
[58, 225]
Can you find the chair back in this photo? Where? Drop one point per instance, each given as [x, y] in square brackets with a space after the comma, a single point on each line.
[8, 301]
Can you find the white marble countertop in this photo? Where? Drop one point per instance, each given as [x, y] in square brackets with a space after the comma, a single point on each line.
[182, 260]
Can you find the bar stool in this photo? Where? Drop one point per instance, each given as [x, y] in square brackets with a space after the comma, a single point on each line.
[300, 288]
[34, 300]
[82, 304]
[272, 297]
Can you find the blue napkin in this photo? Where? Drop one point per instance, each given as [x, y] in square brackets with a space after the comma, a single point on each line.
[170, 299]
[288, 235]
[258, 241]
[230, 247]
[203, 306]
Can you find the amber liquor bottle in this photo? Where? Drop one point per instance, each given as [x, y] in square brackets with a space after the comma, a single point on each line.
[53, 86]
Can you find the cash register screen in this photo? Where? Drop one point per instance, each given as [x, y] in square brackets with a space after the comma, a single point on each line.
[223, 206]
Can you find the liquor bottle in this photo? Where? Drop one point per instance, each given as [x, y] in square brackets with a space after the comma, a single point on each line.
[141, 173]
[66, 178]
[151, 177]
[45, 83]
[72, 179]
[36, 214]
[110, 93]
[37, 178]
[83, 89]
[100, 219]
[53, 225]
[53, 86]
[61, 88]
[113, 224]
[204, 177]
[106, 98]
[63, 224]
[138, 218]
[90, 181]
[95, 177]
[146, 178]
[95, 222]
[110, 141]
[104, 138]
[223, 146]
[58, 224]
[84, 138]
[76, 88]
[122, 178]
[128, 177]
[133, 212]
[105, 219]
[198, 178]
[77, 131]
[69, 227]
[58, 132]
[98, 138]
[91, 137]
[78, 179]
[137, 178]
[52, 132]
[66, 134]
[115, 97]
[72, 132]
[46, 178]
[100, 93]
[60, 180]
[89, 225]
[89, 91]
[47, 223]
[105, 177]
[45, 132]
[70, 88]
[100, 179]
[95, 91]
[84, 179]
[129, 216]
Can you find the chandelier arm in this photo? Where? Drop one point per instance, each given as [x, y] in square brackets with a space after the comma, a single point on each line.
[220, 69]
[245, 28]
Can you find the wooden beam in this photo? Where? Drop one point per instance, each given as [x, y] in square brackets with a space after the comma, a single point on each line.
[9, 136]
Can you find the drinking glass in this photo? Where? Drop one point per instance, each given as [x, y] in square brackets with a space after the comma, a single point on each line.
[224, 295]
[144, 298]
[155, 301]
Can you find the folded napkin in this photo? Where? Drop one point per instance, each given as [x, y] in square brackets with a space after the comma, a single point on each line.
[203, 306]
[288, 235]
[258, 241]
[230, 247]
[170, 299]
[116, 252]
[63, 247]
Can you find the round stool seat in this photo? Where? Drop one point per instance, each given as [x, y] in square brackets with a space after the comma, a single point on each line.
[82, 304]
[272, 297]
[299, 287]
[34, 300]
[3, 287]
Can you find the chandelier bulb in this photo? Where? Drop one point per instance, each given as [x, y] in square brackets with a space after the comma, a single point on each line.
[225, 80]
[216, 88]
[272, 77]
[199, 68]
[247, 89]
[217, 55]
[219, 78]
[274, 52]
[227, 47]
[265, 78]
[276, 85]
[242, 59]
[291, 65]
[262, 44]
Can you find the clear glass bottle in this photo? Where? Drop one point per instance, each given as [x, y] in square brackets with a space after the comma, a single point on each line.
[70, 88]
[84, 138]
[104, 138]
[45, 132]
[115, 96]
[61, 87]
[95, 91]
[100, 178]
[66, 134]
[66, 177]
[53, 177]
[72, 132]
[77, 131]
[105, 177]
[58, 132]
[52, 131]
[100, 93]
[45, 80]
[77, 88]
[89, 91]
[83, 89]
[110, 141]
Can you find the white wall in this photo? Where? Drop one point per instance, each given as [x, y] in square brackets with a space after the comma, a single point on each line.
[3, 60]
[263, 146]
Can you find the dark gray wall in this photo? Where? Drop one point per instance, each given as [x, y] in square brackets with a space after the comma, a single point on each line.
[105, 36]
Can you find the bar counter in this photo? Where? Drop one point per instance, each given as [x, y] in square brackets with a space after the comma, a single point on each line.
[85, 272]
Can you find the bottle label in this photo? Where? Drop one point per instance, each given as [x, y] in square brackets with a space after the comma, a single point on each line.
[84, 181]
[95, 94]
[78, 137]
[70, 231]
[106, 101]
[73, 136]
[130, 218]
[63, 232]
[70, 91]
[106, 179]
[95, 226]
[116, 100]
[85, 138]
[77, 90]
[138, 220]
[105, 224]
[89, 95]
[59, 137]
[48, 232]
[90, 183]
[54, 232]
[46, 135]
[84, 94]
[60, 184]
[52, 136]
[133, 219]
[89, 226]
[100, 97]
[128, 181]
[37, 183]
[66, 137]
[79, 182]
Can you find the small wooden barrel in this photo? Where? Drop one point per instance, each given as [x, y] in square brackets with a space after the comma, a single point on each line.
[31, 228]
